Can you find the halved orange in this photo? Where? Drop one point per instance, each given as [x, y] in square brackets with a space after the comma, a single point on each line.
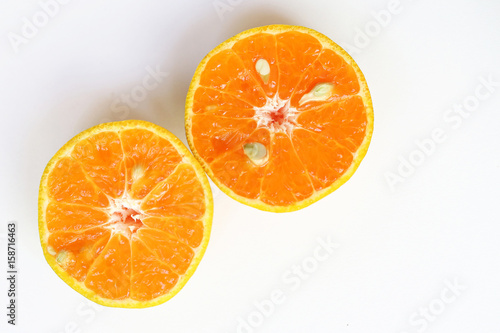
[125, 213]
[279, 117]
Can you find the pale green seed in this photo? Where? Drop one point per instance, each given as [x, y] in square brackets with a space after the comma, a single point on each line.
[321, 92]
[255, 151]
[322, 89]
[62, 256]
[262, 67]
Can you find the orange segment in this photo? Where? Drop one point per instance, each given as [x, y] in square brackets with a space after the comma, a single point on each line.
[186, 230]
[316, 153]
[68, 183]
[68, 217]
[233, 78]
[330, 67]
[75, 251]
[124, 214]
[284, 170]
[150, 276]
[261, 46]
[149, 160]
[74, 241]
[109, 276]
[344, 122]
[244, 178]
[168, 249]
[180, 195]
[101, 157]
[297, 51]
[298, 142]
[216, 103]
[220, 135]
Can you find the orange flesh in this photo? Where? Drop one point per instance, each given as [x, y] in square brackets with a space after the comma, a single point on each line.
[309, 145]
[124, 214]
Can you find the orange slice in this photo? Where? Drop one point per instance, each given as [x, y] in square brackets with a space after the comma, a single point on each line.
[279, 117]
[125, 213]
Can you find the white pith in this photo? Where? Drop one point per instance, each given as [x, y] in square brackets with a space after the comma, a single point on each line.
[263, 115]
[121, 208]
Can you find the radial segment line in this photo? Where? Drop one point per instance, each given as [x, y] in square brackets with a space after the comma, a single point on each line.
[303, 165]
[328, 139]
[329, 103]
[83, 230]
[250, 106]
[102, 209]
[96, 258]
[249, 71]
[173, 235]
[227, 93]
[146, 197]
[232, 150]
[271, 140]
[97, 187]
[157, 258]
[277, 64]
[124, 161]
[334, 141]
[304, 73]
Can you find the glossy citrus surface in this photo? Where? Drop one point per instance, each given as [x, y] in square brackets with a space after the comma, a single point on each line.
[295, 93]
[125, 214]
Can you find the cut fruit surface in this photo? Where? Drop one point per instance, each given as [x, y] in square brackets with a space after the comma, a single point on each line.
[125, 213]
[279, 117]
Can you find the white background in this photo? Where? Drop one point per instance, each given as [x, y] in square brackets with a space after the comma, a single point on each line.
[399, 245]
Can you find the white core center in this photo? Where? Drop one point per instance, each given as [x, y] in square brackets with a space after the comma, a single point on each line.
[277, 115]
[125, 216]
